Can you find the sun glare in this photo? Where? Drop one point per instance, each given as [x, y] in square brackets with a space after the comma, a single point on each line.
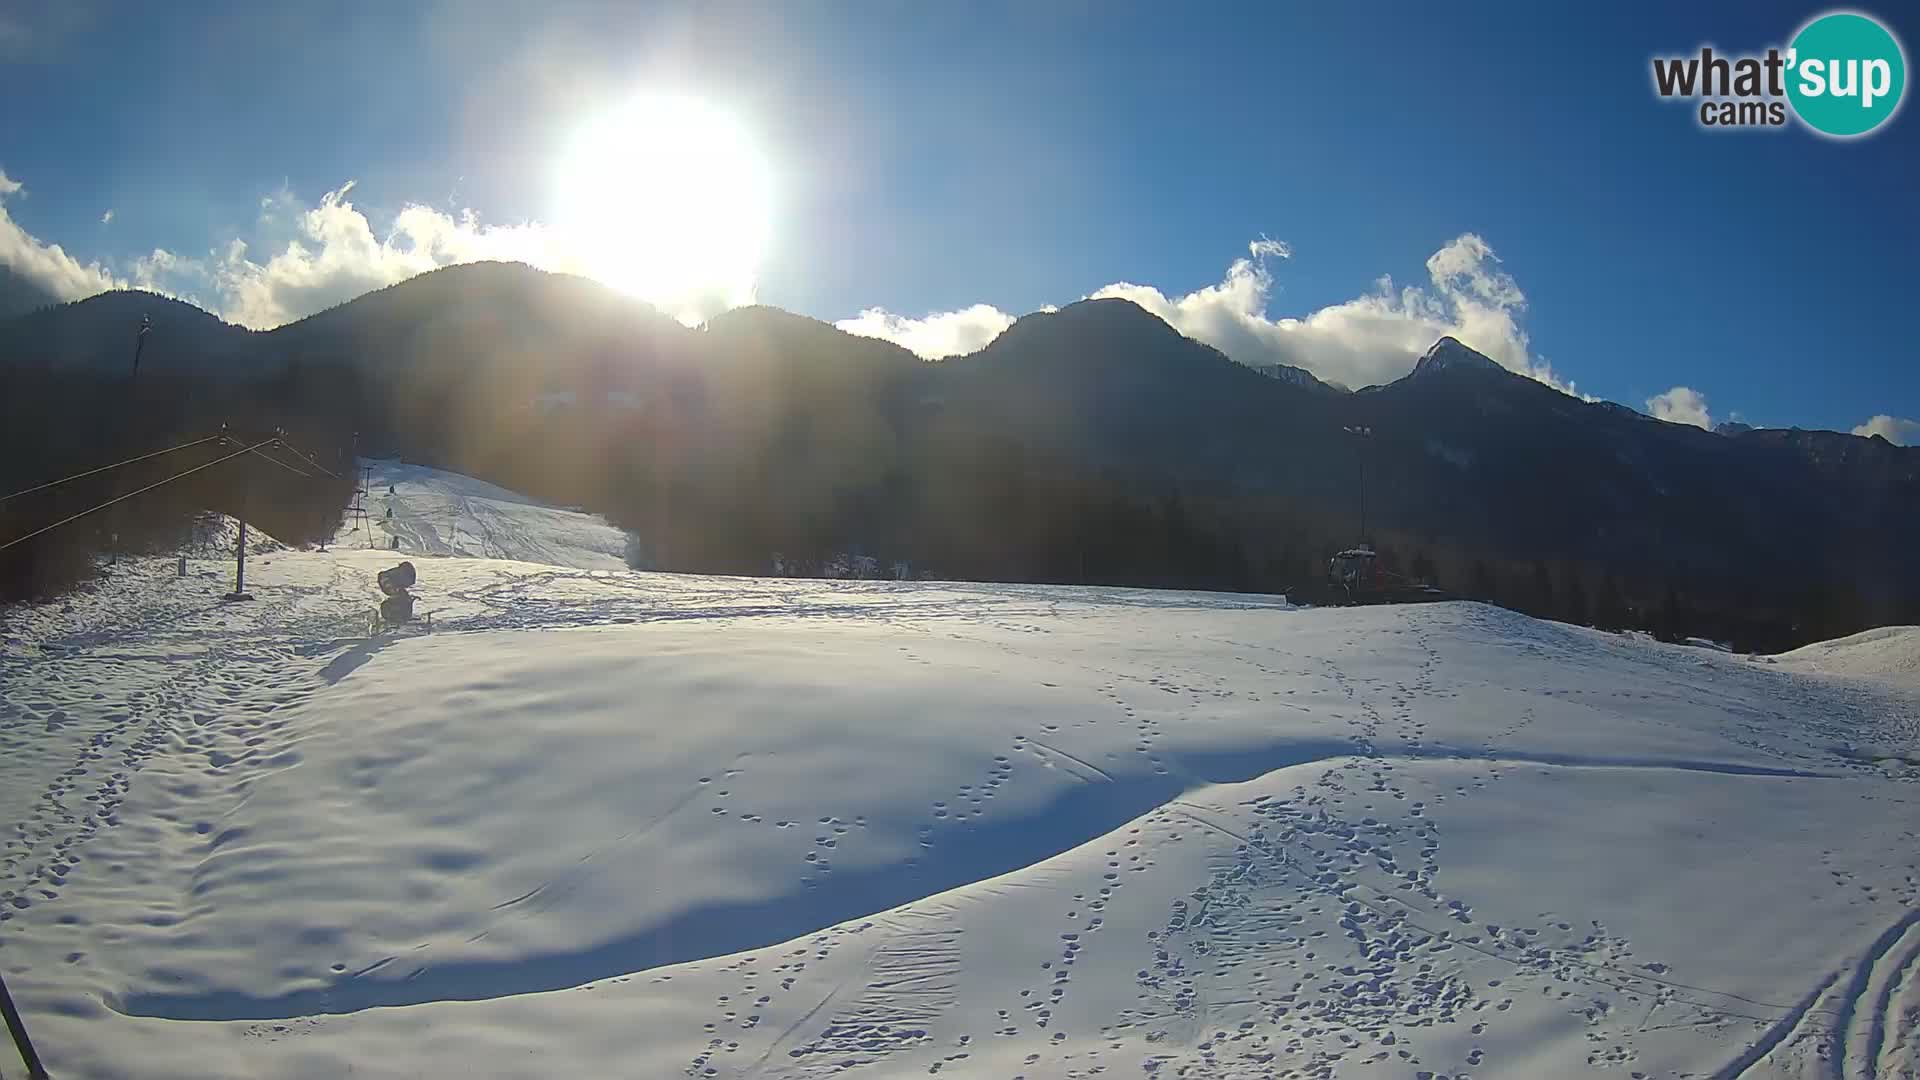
[667, 198]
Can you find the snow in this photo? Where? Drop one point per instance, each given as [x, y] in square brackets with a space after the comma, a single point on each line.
[1707, 643]
[1299, 376]
[443, 513]
[1449, 354]
[1890, 653]
[610, 823]
[214, 535]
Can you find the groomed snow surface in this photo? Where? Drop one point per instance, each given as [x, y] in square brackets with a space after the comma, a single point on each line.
[611, 824]
[1890, 653]
[431, 512]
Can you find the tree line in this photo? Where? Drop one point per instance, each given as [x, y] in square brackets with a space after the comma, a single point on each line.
[56, 424]
[806, 460]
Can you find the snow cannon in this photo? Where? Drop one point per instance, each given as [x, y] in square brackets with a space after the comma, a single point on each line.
[397, 609]
[397, 580]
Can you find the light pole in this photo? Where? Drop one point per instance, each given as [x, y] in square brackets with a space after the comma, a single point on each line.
[140, 341]
[1365, 435]
[133, 407]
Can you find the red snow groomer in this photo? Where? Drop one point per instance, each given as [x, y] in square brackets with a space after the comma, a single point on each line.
[1356, 576]
[1355, 573]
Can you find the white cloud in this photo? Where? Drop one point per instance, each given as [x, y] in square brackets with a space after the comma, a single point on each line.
[47, 266]
[1372, 338]
[1681, 405]
[107, 218]
[300, 259]
[949, 333]
[334, 255]
[31, 33]
[1894, 429]
[321, 255]
[172, 275]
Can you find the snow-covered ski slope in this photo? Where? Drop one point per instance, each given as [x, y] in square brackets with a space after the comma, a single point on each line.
[441, 513]
[612, 824]
[1890, 653]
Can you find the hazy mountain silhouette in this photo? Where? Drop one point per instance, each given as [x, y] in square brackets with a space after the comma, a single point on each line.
[766, 431]
[1301, 377]
[100, 333]
[1472, 450]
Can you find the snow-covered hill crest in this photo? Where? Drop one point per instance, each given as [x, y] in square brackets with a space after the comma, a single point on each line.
[1890, 653]
[604, 823]
[429, 511]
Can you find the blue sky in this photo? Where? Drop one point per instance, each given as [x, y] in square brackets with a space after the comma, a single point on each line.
[990, 159]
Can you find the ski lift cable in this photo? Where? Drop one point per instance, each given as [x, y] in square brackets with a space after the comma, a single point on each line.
[176, 476]
[289, 448]
[283, 464]
[104, 468]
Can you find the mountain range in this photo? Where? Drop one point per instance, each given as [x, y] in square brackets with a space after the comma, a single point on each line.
[764, 428]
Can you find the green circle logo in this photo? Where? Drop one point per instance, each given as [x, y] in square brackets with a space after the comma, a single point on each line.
[1845, 74]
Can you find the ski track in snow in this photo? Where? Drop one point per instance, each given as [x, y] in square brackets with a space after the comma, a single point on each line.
[619, 823]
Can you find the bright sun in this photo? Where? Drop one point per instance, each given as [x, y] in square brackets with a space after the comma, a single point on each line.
[668, 198]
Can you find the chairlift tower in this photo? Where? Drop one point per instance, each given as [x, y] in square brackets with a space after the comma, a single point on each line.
[359, 507]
